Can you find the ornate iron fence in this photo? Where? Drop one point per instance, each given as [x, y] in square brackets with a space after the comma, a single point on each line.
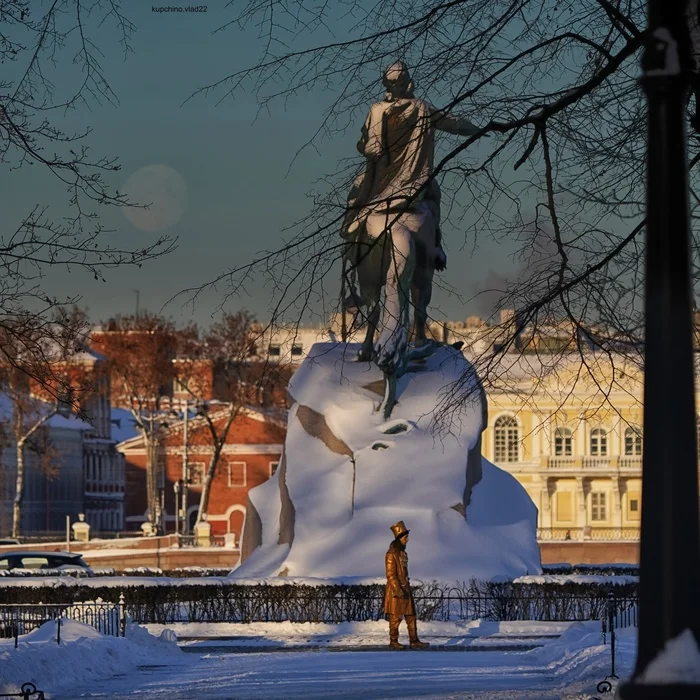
[22, 618]
[621, 612]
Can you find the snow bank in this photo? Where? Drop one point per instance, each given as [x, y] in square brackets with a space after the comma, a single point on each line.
[83, 655]
[679, 662]
[347, 475]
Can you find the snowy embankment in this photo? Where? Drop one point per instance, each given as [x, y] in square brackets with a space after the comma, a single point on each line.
[83, 655]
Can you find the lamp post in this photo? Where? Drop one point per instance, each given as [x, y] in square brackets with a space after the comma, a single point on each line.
[176, 489]
[185, 475]
[670, 542]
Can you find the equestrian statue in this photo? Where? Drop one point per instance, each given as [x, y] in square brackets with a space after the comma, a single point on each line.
[392, 226]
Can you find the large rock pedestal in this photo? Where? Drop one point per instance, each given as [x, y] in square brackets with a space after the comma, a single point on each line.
[346, 475]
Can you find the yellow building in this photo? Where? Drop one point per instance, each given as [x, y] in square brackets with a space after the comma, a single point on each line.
[568, 427]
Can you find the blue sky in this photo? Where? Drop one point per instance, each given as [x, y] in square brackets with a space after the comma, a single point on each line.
[235, 167]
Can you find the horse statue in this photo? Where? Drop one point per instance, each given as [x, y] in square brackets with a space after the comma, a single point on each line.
[392, 226]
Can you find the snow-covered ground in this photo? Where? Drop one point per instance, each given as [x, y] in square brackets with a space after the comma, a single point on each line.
[87, 665]
[83, 655]
[363, 634]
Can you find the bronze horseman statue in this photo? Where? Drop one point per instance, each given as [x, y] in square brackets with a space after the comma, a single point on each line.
[392, 225]
[398, 599]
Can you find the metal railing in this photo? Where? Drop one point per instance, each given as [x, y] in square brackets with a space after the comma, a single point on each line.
[21, 618]
[621, 612]
[194, 541]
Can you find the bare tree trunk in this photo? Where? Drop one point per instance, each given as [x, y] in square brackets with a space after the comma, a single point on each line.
[208, 479]
[218, 440]
[19, 484]
[19, 491]
[152, 477]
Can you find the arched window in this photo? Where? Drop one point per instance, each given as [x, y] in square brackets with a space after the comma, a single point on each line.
[599, 443]
[633, 441]
[506, 439]
[563, 443]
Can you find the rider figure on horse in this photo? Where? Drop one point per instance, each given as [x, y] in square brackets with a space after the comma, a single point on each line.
[392, 219]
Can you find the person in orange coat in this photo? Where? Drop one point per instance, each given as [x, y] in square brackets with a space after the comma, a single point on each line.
[398, 599]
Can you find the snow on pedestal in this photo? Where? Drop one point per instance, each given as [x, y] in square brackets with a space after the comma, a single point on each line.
[346, 475]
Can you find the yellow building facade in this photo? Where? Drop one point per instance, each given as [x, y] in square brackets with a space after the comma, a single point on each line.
[569, 430]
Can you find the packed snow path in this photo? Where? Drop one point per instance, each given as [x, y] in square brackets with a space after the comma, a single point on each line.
[323, 674]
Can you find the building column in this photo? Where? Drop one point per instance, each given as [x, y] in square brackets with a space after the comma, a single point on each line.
[580, 446]
[536, 435]
[547, 436]
[616, 511]
[614, 443]
[546, 491]
[581, 510]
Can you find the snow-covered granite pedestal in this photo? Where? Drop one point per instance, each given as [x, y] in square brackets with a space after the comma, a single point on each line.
[346, 475]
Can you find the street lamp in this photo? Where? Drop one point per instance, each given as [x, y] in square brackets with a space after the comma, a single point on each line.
[201, 408]
[669, 572]
[176, 489]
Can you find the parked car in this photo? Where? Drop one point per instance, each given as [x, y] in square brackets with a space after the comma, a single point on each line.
[38, 561]
[8, 540]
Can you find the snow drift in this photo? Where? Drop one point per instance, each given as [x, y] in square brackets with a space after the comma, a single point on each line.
[346, 475]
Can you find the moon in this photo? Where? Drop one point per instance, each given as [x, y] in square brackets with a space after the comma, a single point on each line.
[162, 191]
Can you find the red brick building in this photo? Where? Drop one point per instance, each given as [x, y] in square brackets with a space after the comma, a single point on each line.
[250, 456]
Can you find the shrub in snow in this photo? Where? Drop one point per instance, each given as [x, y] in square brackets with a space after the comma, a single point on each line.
[592, 569]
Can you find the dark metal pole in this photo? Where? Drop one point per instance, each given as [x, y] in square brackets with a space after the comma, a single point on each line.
[669, 587]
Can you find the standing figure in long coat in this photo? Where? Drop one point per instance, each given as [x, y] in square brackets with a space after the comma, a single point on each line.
[398, 599]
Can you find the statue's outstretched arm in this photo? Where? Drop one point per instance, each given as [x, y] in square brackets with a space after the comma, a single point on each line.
[452, 123]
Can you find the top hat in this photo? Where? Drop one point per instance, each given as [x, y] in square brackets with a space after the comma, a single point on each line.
[399, 530]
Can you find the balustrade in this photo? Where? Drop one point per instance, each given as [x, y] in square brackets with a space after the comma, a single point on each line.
[588, 534]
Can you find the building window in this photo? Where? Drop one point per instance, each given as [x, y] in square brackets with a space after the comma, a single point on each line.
[506, 439]
[598, 506]
[275, 351]
[236, 473]
[633, 441]
[599, 443]
[563, 443]
[297, 350]
[273, 467]
[196, 472]
[634, 505]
